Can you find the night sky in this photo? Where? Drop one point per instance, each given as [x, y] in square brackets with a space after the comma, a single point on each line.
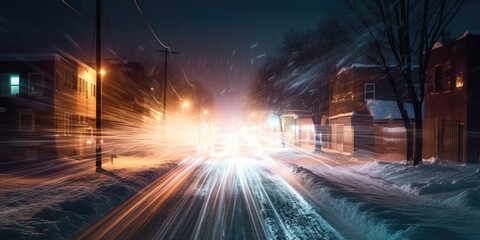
[221, 43]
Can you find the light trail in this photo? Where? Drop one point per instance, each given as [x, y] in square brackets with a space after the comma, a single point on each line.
[236, 196]
[239, 194]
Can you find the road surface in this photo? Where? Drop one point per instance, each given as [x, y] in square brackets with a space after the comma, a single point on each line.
[237, 195]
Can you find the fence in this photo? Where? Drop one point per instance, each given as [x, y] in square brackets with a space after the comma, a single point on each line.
[450, 147]
[390, 141]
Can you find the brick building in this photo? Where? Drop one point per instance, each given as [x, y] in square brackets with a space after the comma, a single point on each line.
[47, 105]
[352, 125]
[452, 101]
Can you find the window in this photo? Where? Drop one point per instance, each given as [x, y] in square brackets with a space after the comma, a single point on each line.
[58, 80]
[369, 91]
[85, 88]
[438, 79]
[430, 85]
[26, 121]
[459, 80]
[66, 126]
[458, 70]
[446, 77]
[14, 84]
[35, 82]
[80, 85]
[10, 84]
[58, 124]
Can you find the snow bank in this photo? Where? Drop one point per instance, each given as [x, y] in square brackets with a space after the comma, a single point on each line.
[381, 109]
[381, 200]
[62, 209]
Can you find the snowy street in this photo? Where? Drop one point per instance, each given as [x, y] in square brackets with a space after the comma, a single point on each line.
[231, 197]
[239, 120]
[247, 194]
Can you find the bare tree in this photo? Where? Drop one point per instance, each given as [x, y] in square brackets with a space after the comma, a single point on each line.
[402, 34]
[297, 80]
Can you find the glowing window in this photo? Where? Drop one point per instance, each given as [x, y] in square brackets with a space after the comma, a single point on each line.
[14, 84]
[459, 80]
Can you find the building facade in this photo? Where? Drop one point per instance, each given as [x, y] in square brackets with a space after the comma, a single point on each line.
[452, 101]
[357, 94]
[47, 105]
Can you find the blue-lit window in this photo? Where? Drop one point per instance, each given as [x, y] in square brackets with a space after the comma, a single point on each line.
[14, 84]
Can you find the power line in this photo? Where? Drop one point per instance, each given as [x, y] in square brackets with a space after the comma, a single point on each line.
[175, 91]
[158, 39]
[149, 26]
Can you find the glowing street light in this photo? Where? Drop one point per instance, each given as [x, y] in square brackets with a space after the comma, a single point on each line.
[184, 105]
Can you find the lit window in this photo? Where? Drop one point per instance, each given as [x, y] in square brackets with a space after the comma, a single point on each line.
[79, 83]
[369, 91]
[459, 80]
[14, 84]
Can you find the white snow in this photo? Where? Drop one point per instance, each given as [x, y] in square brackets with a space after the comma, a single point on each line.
[358, 196]
[356, 65]
[58, 199]
[392, 200]
[380, 109]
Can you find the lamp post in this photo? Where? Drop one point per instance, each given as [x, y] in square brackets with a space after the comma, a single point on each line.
[98, 97]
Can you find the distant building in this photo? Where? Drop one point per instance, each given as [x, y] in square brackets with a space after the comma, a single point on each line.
[452, 101]
[356, 115]
[47, 107]
[124, 105]
[298, 130]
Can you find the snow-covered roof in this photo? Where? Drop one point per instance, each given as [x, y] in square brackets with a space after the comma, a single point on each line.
[356, 65]
[469, 32]
[437, 44]
[383, 110]
[342, 115]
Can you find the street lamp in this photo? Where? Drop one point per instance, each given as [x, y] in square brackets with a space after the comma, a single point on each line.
[98, 118]
[184, 105]
[98, 95]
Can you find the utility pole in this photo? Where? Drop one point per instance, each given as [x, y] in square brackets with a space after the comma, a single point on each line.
[166, 52]
[98, 99]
